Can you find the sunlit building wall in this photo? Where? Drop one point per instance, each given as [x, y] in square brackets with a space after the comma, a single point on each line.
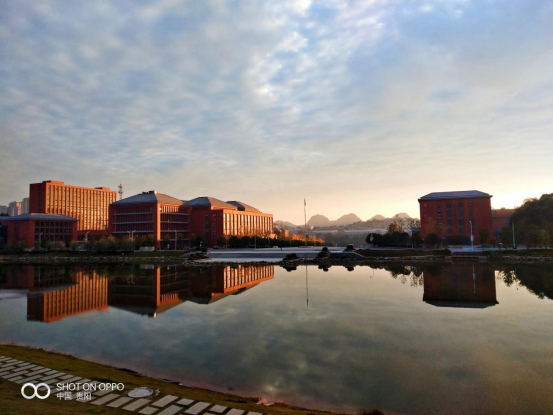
[89, 205]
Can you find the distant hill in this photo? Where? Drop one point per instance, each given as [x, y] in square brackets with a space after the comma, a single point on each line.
[377, 217]
[347, 220]
[319, 220]
[284, 224]
[322, 221]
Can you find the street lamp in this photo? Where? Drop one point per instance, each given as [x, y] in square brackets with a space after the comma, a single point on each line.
[132, 235]
[86, 236]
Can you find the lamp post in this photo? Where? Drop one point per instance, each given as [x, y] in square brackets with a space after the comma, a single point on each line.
[40, 238]
[132, 235]
[86, 236]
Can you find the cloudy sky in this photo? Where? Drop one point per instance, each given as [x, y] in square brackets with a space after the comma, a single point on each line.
[357, 106]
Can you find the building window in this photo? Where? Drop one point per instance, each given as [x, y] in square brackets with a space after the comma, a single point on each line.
[461, 213]
[449, 218]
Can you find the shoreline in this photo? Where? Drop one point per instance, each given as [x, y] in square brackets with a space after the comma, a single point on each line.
[13, 402]
[53, 258]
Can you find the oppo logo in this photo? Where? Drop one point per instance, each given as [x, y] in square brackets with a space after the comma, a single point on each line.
[35, 389]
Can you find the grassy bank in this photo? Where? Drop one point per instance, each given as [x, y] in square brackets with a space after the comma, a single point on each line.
[11, 401]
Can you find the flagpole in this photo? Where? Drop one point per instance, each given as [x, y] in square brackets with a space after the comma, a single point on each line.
[306, 287]
[305, 219]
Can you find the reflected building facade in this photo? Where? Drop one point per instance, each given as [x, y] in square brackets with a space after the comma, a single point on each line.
[460, 285]
[54, 292]
[150, 290]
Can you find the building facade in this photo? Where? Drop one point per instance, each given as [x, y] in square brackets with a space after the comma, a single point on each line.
[449, 214]
[151, 213]
[501, 218]
[25, 205]
[14, 209]
[212, 218]
[89, 205]
[37, 227]
[3, 210]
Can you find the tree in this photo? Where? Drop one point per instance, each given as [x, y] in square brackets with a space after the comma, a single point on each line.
[234, 241]
[506, 236]
[484, 236]
[533, 215]
[416, 239]
[222, 241]
[73, 245]
[394, 227]
[17, 247]
[432, 239]
[245, 240]
[198, 240]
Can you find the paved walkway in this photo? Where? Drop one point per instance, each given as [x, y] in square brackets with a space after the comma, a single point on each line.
[21, 372]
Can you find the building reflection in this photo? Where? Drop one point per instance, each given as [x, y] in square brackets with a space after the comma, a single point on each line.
[460, 285]
[54, 293]
[212, 284]
[150, 290]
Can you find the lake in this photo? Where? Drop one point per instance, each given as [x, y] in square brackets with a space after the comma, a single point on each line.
[416, 339]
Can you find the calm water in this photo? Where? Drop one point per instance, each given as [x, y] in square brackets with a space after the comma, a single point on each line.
[449, 339]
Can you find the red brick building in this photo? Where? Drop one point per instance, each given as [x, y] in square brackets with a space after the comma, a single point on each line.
[37, 227]
[213, 218]
[501, 218]
[89, 205]
[449, 214]
[152, 213]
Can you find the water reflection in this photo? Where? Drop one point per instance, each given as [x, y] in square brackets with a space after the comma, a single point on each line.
[54, 293]
[460, 285]
[370, 337]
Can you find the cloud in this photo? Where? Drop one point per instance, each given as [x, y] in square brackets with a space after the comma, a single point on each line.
[191, 97]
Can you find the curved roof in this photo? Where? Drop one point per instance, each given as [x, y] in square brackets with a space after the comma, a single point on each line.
[465, 194]
[149, 197]
[243, 206]
[39, 216]
[206, 201]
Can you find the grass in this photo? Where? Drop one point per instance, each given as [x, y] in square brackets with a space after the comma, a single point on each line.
[11, 401]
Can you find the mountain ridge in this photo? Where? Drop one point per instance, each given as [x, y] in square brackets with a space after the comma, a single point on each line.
[319, 220]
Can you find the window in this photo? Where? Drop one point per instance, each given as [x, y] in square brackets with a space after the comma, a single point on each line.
[449, 218]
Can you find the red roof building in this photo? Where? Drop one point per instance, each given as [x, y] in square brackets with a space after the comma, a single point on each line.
[151, 213]
[212, 218]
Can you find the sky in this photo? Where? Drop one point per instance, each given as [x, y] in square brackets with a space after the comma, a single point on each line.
[356, 106]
